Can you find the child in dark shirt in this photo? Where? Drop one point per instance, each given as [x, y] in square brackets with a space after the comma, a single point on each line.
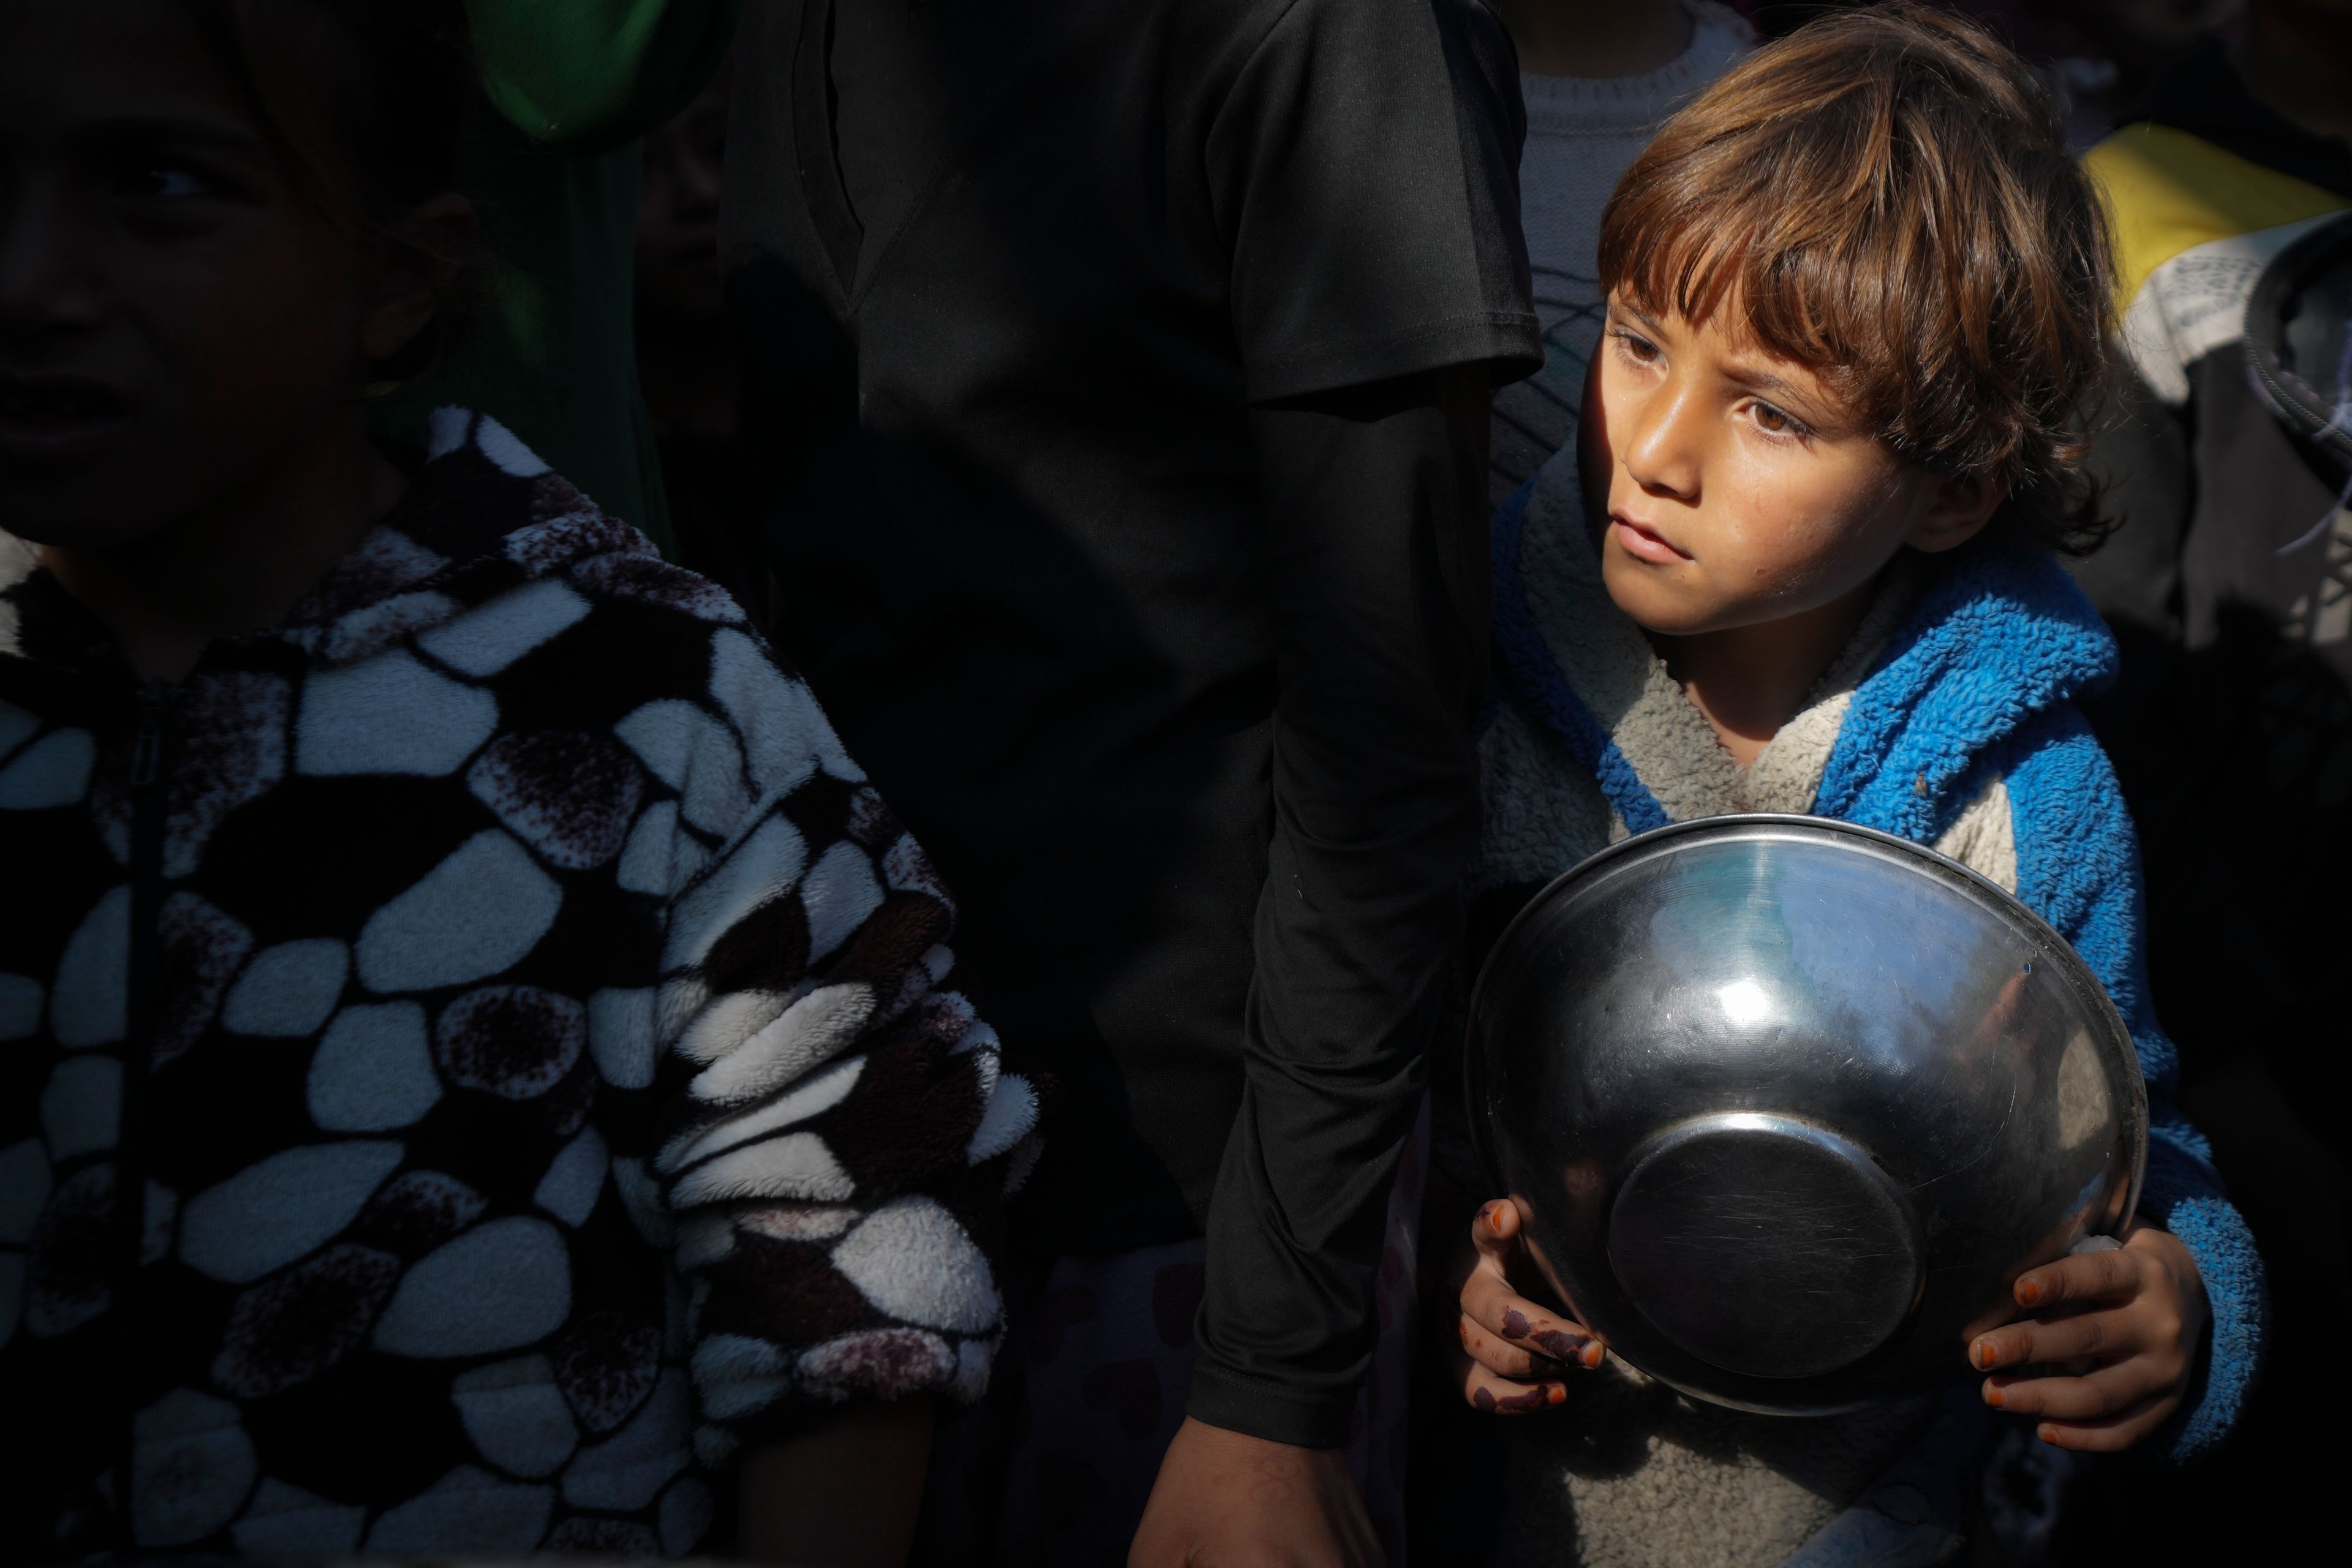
[483, 1071]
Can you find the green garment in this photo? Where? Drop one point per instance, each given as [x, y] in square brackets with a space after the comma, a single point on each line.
[573, 84]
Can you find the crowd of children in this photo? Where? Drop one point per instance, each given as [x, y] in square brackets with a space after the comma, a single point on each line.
[820, 910]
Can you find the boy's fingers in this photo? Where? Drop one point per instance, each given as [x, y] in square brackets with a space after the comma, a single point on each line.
[2105, 1395]
[1495, 1231]
[2094, 1276]
[1495, 1307]
[2032, 1342]
[2110, 1436]
[1491, 1308]
[1505, 1396]
[1503, 1358]
[1490, 1388]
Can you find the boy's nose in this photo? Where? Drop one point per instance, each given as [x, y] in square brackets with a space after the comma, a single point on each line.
[1661, 452]
[43, 288]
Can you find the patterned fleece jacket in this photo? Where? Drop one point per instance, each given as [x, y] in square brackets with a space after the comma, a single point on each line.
[475, 1053]
[1946, 719]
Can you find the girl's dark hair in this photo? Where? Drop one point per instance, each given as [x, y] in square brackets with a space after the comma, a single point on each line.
[1888, 197]
[367, 102]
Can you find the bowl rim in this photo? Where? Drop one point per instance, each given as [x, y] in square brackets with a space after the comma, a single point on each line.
[2078, 971]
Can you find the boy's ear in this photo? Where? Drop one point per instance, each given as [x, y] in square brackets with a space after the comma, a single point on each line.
[1958, 506]
[415, 267]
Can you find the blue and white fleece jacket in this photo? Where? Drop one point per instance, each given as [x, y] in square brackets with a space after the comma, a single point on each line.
[1948, 720]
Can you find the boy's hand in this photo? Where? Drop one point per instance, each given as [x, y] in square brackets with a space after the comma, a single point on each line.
[2124, 1325]
[1513, 1352]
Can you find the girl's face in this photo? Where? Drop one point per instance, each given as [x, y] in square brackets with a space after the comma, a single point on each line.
[1734, 489]
[178, 320]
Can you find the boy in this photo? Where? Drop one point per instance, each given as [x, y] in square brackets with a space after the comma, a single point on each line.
[1803, 560]
[479, 1069]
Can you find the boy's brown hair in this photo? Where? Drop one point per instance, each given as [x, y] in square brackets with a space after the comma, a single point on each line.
[1887, 198]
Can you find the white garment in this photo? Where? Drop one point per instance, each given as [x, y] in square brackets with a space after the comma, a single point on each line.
[1582, 132]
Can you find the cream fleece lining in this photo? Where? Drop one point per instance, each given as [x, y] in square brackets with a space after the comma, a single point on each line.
[1543, 806]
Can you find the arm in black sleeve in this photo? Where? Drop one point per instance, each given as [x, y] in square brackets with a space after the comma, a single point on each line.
[1376, 510]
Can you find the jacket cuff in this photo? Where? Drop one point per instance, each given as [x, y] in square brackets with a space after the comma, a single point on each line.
[1257, 1408]
[2217, 1238]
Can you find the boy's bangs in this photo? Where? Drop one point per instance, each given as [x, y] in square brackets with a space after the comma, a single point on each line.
[1690, 273]
[1885, 198]
[1810, 275]
[1740, 271]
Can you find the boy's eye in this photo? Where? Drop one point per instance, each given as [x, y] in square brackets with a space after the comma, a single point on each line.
[165, 181]
[1773, 422]
[1637, 347]
[155, 179]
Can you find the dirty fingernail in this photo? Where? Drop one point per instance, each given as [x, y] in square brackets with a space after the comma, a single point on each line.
[1993, 1396]
[2029, 1291]
[1557, 1391]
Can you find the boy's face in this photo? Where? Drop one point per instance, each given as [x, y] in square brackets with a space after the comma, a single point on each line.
[1731, 486]
[176, 317]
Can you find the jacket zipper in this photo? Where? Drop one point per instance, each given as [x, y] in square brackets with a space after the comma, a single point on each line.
[143, 1007]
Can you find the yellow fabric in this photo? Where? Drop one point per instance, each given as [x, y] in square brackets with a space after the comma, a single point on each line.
[2170, 191]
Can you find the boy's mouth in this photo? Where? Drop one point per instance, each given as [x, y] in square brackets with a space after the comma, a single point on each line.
[53, 419]
[1643, 542]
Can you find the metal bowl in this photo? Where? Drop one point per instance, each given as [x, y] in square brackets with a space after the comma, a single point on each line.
[1791, 1104]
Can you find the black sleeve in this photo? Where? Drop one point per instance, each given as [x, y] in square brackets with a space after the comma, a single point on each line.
[1376, 503]
[1365, 170]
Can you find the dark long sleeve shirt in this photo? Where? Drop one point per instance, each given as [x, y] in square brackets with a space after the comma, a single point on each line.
[1379, 583]
[1130, 367]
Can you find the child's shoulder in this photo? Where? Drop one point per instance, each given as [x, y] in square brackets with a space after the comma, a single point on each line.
[495, 565]
[2016, 589]
[1998, 632]
[502, 539]
[500, 594]
[1986, 667]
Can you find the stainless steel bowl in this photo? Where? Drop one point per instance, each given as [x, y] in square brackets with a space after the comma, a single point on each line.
[1791, 1104]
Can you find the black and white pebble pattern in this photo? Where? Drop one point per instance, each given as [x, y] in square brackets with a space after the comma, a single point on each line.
[555, 1079]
